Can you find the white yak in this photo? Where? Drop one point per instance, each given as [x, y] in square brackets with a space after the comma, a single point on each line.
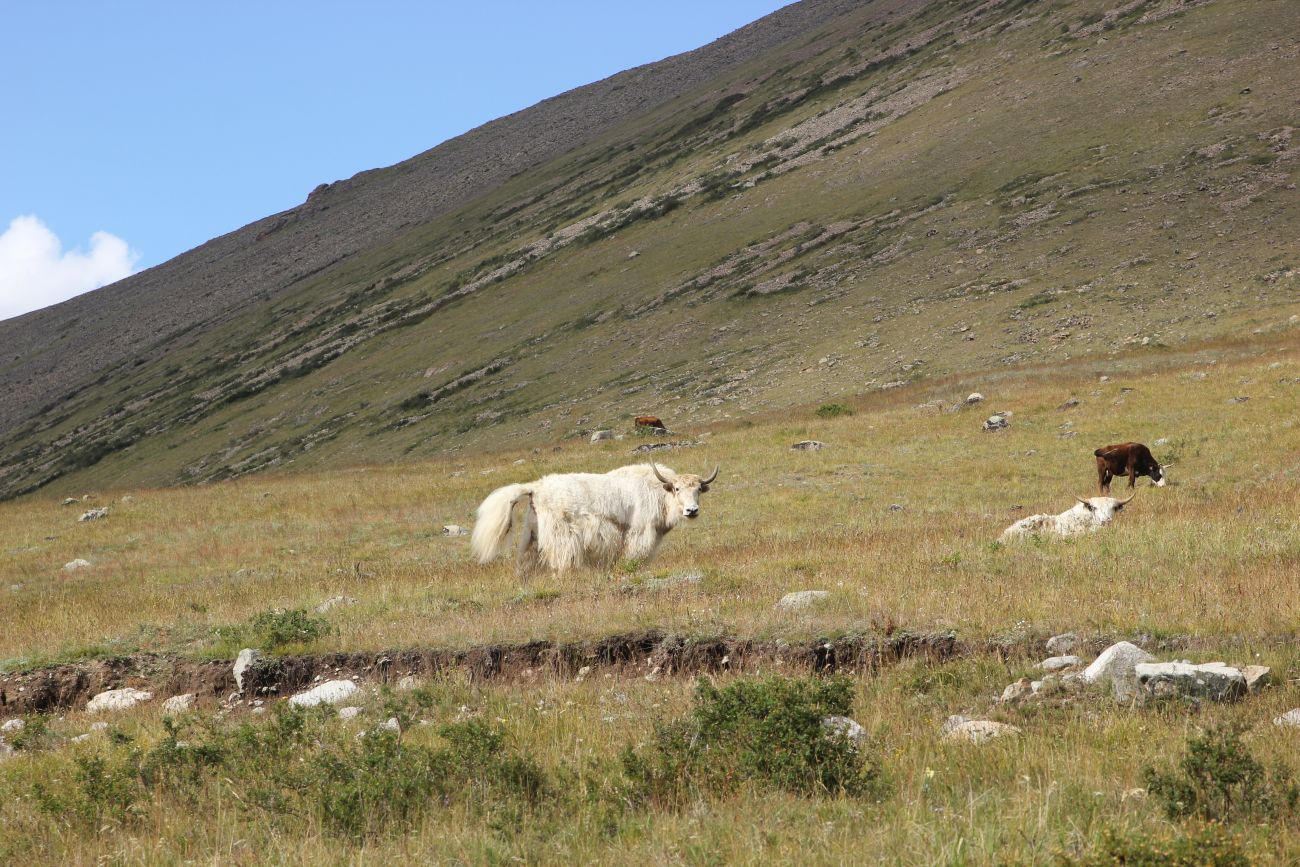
[571, 520]
[1085, 517]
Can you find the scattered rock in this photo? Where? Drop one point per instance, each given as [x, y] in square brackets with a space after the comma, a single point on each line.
[1057, 663]
[951, 723]
[13, 725]
[179, 704]
[897, 507]
[390, 725]
[408, 683]
[898, 383]
[454, 530]
[246, 658]
[1163, 441]
[1059, 645]
[802, 599]
[1116, 666]
[841, 727]
[670, 582]
[6, 751]
[1018, 691]
[71, 501]
[1238, 399]
[94, 514]
[329, 692]
[334, 602]
[974, 397]
[1257, 677]
[1290, 719]
[1070, 403]
[602, 435]
[582, 674]
[808, 446]
[977, 731]
[995, 423]
[1213, 680]
[117, 699]
[74, 565]
[349, 712]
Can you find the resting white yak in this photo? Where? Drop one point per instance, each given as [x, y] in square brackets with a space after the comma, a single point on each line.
[573, 520]
[1084, 517]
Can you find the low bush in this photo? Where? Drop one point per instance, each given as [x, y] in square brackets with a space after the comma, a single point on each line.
[276, 628]
[1209, 846]
[833, 410]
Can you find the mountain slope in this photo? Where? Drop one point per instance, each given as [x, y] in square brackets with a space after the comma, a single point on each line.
[899, 190]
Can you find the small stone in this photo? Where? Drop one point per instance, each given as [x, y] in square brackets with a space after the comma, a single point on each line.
[94, 514]
[1018, 691]
[1290, 719]
[1257, 677]
[974, 397]
[13, 725]
[1060, 645]
[952, 722]
[602, 435]
[686, 579]
[582, 674]
[1070, 403]
[71, 501]
[334, 602]
[977, 731]
[243, 662]
[74, 565]
[408, 683]
[1057, 663]
[802, 599]
[454, 530]
[842, 727]
[808, 446]
[349, 712]
[117, 699]
[390, 725]
[995, 423]
[1116, 665]
[329, 692]
[897, 507]
[179, 704]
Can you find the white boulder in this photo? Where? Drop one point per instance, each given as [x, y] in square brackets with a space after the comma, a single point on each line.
[1057, 663]
[349, 712]
[1116, 666]
[13, 725]
[179, 704]
[1290, 719]
[117, 699]
[74, 565]
[329, 692]
[243, 662]
[1213, 680]
[841, 727]
[802, 599]
[94, 514]
[977, 731]
[1060, 645]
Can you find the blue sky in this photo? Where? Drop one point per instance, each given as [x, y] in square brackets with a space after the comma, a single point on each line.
[159, 125]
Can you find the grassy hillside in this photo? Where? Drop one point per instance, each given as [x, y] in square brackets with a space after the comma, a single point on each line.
[1205, 568]
[894, 197]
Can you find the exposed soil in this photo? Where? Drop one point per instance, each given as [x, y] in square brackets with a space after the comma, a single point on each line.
[648, 654]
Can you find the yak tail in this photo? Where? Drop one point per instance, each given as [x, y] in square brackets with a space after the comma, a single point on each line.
[1098, 452]
[493, 522]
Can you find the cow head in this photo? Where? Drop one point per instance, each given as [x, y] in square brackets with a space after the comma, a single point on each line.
[1104, 509]
[685, 489]
[1160, 475]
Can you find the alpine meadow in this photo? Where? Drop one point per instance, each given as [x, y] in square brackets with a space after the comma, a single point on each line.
[898, 269]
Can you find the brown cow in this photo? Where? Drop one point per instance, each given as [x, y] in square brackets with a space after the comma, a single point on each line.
[649, 421]
[1128, 459]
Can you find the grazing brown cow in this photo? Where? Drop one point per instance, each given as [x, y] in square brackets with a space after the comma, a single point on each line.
[649, 421]
[1128, 459]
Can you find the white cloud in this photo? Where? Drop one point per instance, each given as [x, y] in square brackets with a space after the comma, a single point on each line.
[35, 270]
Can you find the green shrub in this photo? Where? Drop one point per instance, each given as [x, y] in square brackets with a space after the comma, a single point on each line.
[1219, 780]
[833, 410]
[276, 628]
[101, 792]
[1209, 846]
[767, 732]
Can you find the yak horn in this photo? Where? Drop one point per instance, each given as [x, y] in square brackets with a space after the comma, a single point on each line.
[710, 479]
[1129, 500]
[1085, 502]
[657, 474]
[1164, 467]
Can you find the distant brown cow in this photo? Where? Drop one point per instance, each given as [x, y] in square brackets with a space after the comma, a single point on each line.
[649, 421]
[1127, 459]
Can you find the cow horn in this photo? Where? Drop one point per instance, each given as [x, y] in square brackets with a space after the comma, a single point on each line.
[1085, 502]
[710, 479]
[1164, 467]
[658, 475]
[1129, 500]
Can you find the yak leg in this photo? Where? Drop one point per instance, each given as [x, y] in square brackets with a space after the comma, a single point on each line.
[527, 557]
[642, 544]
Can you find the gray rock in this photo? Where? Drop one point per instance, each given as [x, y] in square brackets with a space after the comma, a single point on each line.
[1070, 403]
[74, 565]
[408, 683]
[802, 599]
[334, 602]
[1214, 681]
[1290, 719]
[329, 692]
[349, 712]
[952, 722]
[117, 699]
[454, 530]
[246, 658]
[94, 514]
[996, 423]
[1257, 677]
[1018, 691]
[71, 501]
[808, 446]
[6, 751]
[390, 725]
[1057, 663]
[977, 731]
[1116, 666]
[974, 397]
[844, 728]
[601, 435]
[1060, 645]
[13, 725]
[179, 704]
[670, 582]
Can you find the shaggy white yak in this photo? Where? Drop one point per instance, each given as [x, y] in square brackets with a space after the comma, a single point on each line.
[571, 520]
[1085, 517]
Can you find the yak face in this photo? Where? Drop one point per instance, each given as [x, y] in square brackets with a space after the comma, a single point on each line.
[685, 489]
[1102, 510]
[1158, 476]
